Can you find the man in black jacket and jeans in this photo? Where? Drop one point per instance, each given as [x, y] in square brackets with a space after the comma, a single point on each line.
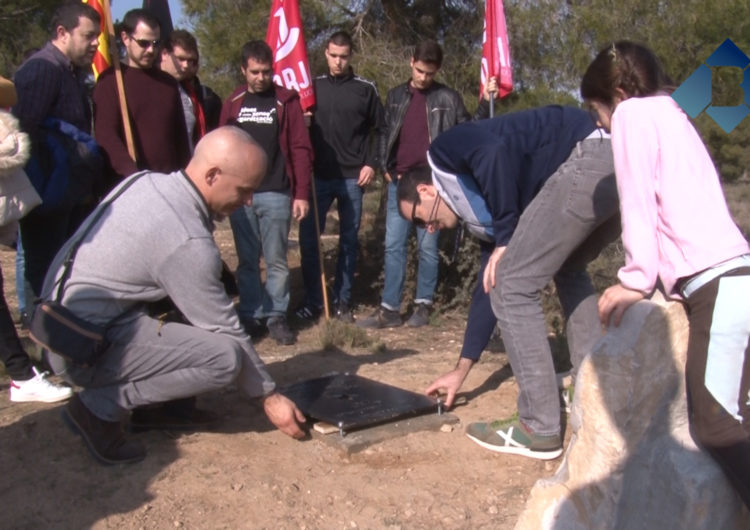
[345, 128]
[415, 113]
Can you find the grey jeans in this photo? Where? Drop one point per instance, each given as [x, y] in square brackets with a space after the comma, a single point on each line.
[152, 362]
[572, 218]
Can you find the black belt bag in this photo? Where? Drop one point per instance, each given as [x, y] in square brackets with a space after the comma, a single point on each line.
[60, 331]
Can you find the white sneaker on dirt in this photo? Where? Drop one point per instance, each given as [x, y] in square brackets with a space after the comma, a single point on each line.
[39, 388]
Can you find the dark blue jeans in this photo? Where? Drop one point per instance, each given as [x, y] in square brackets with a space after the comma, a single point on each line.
[348, 197]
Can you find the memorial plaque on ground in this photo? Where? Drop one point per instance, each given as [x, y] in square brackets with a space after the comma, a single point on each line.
[353, 402]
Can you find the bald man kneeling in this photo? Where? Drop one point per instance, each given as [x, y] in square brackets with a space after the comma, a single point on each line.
[153, 242]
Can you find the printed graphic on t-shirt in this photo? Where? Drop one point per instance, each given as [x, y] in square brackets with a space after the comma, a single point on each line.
[259, 117]
[255, 115]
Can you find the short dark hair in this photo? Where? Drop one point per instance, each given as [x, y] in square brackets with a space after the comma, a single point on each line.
[182, 38]
[68, 16]
[341, 38]
[134, 16]
[258, 50]
[429, 52]
[407, 184]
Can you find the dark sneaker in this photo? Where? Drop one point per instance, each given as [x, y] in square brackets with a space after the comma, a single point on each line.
[105, 440]
[279, 331]
[511, 436]
[381, 318]
[176, 415]
[308, 313]
[254, 327]
[343, 313]
[420, 317]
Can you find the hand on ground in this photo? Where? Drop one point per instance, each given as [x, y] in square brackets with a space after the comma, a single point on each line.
[284, 414]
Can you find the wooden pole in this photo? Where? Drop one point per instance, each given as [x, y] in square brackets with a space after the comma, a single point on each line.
[321, 261]
[115, 55]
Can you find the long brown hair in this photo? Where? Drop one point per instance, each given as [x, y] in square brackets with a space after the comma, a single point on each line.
[626, 65]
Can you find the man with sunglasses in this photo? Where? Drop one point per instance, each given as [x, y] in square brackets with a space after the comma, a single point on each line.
[157, 119]
[537, 188]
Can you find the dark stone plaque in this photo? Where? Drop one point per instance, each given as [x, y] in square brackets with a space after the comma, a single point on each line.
[352, 402]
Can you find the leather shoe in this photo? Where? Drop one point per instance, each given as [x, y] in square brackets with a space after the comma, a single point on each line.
[105, 440]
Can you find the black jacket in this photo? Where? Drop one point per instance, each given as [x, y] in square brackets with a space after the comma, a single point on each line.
[346, 126]
[445, 108]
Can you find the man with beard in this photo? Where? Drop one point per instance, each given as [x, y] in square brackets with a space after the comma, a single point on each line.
[154, 105]
[52, 96]
[272, 115]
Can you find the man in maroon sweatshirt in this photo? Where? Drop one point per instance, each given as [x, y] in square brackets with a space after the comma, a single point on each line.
[272, 115]
[154, 105]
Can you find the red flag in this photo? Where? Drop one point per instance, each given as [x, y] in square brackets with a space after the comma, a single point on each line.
[495, 49]
[102, 60]
[285, 37]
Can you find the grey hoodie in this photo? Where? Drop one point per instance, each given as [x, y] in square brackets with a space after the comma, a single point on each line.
[153, 241]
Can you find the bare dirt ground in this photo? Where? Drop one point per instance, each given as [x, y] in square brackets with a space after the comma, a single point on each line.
[245, 474]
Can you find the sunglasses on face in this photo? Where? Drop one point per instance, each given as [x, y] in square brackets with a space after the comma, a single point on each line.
[145, 43]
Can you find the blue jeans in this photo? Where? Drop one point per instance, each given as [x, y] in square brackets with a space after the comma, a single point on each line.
[572, 218]
[263, 228]
[20, 276]
[348, 196]
[397, 231]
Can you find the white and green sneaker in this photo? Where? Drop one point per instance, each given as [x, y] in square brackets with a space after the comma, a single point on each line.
[511, 436]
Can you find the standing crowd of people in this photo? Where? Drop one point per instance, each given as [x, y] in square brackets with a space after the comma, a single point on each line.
[127, 206]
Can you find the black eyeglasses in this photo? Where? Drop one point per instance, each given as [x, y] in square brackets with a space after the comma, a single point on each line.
[145, 43]
[421, 223]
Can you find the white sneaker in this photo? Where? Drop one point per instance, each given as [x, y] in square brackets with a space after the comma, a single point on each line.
[39, 388]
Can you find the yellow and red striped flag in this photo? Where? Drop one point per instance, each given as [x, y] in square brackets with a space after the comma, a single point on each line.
[102, 60]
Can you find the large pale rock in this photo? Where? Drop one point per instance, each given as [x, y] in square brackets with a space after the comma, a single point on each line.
[631, 462]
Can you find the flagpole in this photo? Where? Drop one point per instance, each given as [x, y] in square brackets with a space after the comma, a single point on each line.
[115, 55]
[321, 261]
[285, 37]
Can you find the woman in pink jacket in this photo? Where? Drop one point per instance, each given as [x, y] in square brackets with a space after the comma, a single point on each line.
[677, 230]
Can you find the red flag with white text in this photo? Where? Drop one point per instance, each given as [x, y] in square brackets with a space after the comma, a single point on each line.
[285, 37]
[102, 60]
[496, 49]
